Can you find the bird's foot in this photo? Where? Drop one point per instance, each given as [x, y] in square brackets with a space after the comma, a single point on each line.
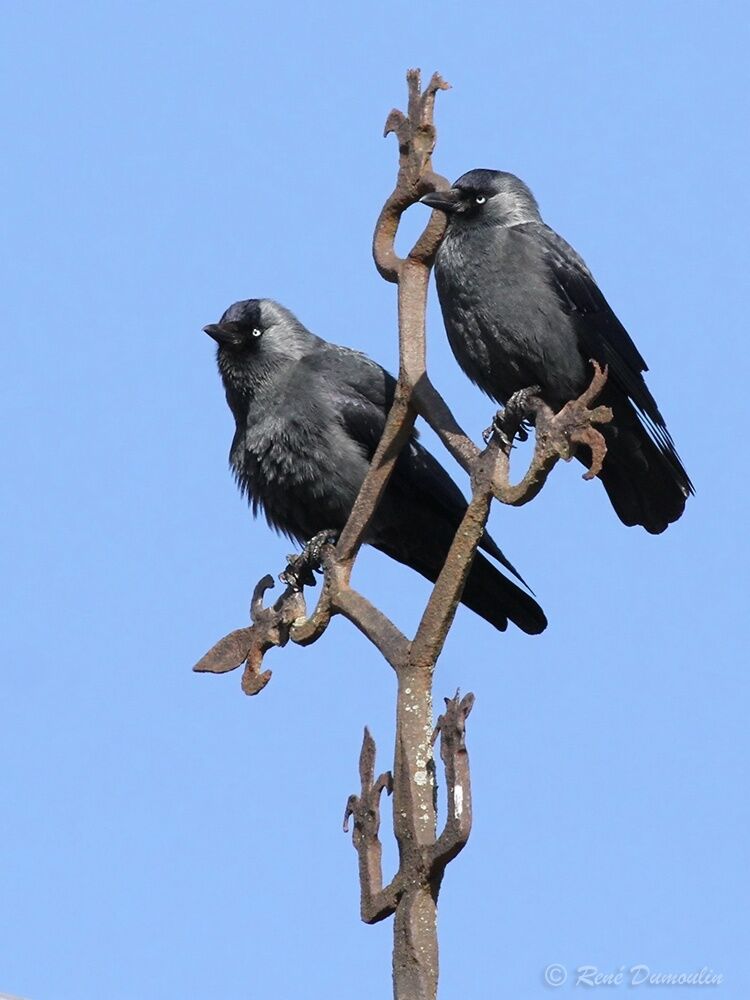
[514, 420]
[300, 569]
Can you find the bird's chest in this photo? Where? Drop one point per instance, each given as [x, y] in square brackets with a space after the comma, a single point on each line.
[300, 477]
[277, 460]
[499, 319]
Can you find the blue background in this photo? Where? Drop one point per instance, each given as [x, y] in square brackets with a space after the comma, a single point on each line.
[164, 836]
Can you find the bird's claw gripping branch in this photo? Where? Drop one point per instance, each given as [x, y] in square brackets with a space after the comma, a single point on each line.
[300, 570]
[512, 420]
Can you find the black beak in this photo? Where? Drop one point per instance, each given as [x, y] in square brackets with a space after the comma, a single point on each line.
[447, 201]
[220, 333]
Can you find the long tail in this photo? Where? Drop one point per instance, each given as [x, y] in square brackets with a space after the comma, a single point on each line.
[646, 482]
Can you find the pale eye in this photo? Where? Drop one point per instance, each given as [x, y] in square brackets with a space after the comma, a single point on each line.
[480, 199]
[257, 332]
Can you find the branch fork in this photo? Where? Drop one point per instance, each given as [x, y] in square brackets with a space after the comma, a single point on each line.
[421, 866]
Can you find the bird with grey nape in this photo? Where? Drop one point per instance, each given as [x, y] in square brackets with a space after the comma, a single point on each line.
[521, 309]
[309, 416]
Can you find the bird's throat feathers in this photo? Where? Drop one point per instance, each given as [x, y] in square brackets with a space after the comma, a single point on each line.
[244, 382]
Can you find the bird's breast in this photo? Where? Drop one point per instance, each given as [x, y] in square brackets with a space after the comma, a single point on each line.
[503, 321]
[305, 480]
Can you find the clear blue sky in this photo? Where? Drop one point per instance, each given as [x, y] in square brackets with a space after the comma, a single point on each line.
[162, 835]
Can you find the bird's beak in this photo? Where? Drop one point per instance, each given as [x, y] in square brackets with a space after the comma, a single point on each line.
[447, 200]
[220, 333]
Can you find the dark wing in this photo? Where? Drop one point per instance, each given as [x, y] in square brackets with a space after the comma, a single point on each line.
[601, 335]
[362, 393]
[358, 390]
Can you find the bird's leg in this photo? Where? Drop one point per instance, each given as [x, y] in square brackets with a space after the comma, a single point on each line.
[299, 570]
[513, 421]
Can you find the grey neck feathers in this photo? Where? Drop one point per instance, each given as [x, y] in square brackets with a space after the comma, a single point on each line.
[513, 208]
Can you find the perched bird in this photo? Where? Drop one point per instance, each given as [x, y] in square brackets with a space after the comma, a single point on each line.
[309, 416]
[521, 309]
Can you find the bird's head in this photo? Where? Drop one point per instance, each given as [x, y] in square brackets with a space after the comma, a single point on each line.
[486, 196]
[254, 336]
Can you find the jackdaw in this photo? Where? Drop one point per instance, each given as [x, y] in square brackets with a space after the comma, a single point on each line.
[522, 309]
[309, 416]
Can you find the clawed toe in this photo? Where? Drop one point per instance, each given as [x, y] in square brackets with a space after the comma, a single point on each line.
[514, 420]
[498, 429]
[300, 569]
[314, 548]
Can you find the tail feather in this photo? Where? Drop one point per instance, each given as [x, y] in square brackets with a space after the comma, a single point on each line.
[490, 546]
[643, 475]
[649, 499]
[645, 480]
[487, 592]
[496, 599]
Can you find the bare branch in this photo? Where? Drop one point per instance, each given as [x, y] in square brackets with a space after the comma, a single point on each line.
[416, 141]
[371, 621]
[441, 607]
[376, 903]
[452, 729]
[396, 433]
